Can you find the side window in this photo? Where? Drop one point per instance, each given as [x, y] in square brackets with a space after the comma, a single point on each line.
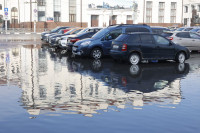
[143, 30]
[183, 35]
[134, 39]
[129, 30]
[91, 30]
[160, 40]
[146, 39]
[195, 36]
[113, 34]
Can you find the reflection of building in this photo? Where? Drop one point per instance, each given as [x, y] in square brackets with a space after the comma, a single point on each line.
[52, 84]
[10, 67]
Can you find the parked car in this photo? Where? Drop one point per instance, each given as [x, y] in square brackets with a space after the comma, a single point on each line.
[147, 46]
[185, 28]
[196, 30]
[100, 44]
[86, 33]
[53, 40]
[53, 31]
[159, 30]
[188, 39]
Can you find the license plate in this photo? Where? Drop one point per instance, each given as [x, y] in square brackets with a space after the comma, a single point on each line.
[115, 46]
[74, 48]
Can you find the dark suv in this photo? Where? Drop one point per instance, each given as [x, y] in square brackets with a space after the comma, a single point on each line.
[138, 46]
[100, 43]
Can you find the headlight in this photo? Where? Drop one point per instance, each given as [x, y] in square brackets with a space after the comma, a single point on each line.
[85, 43]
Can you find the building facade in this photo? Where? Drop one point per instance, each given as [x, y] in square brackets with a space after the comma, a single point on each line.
[81, 13]
[191, 12]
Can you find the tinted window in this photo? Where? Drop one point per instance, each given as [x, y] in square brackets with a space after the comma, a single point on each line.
[134, 39]
[122, 37]
[146, 38]
[114, 34]
[183, 35]
[136, 29]
[195, 36]
[166, 34]
[160, 40]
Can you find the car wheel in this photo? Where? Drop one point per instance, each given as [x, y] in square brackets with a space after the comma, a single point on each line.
[96, 53]
[180, 57]
[134, 59]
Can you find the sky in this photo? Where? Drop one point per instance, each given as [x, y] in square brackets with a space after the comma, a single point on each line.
[125, 3]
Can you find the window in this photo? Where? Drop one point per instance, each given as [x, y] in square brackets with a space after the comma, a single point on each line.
[160, 40]
[161, 12]
[195, 36]
[173, 12]
[14, 15]
[136, 29]
[198, 8]
[0, 6]
[113, 34]
[146, 39]
[72, 10]
[149, 12]
[185, 21]
[57, 10]
[41, 2]
[186, 9]
[41, 16]
[183, 35]
[129, 17]
[134, 39]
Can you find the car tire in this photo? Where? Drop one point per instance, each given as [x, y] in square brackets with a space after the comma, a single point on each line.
[96, 53]
[134, 59]
[180, 58]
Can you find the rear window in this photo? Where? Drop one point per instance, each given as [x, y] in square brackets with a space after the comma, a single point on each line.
[167, 34]
[122, 37]
[136, 29]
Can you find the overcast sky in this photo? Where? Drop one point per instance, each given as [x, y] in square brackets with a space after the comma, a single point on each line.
[126, 3]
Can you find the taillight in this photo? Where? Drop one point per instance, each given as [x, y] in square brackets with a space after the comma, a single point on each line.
[170, 38]
[74, 40]
[124, 47]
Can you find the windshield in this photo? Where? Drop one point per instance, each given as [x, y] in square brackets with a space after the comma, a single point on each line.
[101, 33]
[188, 29]
[69, 31]
[83, 31]
[60, 32]
[179, 29]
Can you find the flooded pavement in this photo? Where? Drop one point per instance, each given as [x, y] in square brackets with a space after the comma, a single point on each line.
[43, 90]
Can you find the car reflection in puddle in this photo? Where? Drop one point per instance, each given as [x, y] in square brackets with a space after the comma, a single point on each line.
[66, 85]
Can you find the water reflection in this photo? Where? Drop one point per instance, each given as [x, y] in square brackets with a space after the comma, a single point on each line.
[53, 82]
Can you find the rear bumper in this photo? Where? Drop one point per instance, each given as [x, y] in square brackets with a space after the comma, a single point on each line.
[118, 55]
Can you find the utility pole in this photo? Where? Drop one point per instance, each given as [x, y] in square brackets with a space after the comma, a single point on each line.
[31, 12]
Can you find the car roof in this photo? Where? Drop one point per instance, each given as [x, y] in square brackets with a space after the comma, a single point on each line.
[128, 25]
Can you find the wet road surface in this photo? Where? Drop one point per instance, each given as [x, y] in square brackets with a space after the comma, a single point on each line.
[44, 90]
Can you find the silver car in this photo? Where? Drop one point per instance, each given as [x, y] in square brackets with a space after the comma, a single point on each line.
[188, 39]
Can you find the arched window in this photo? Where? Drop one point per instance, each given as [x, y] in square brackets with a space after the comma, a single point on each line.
[14, 15]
